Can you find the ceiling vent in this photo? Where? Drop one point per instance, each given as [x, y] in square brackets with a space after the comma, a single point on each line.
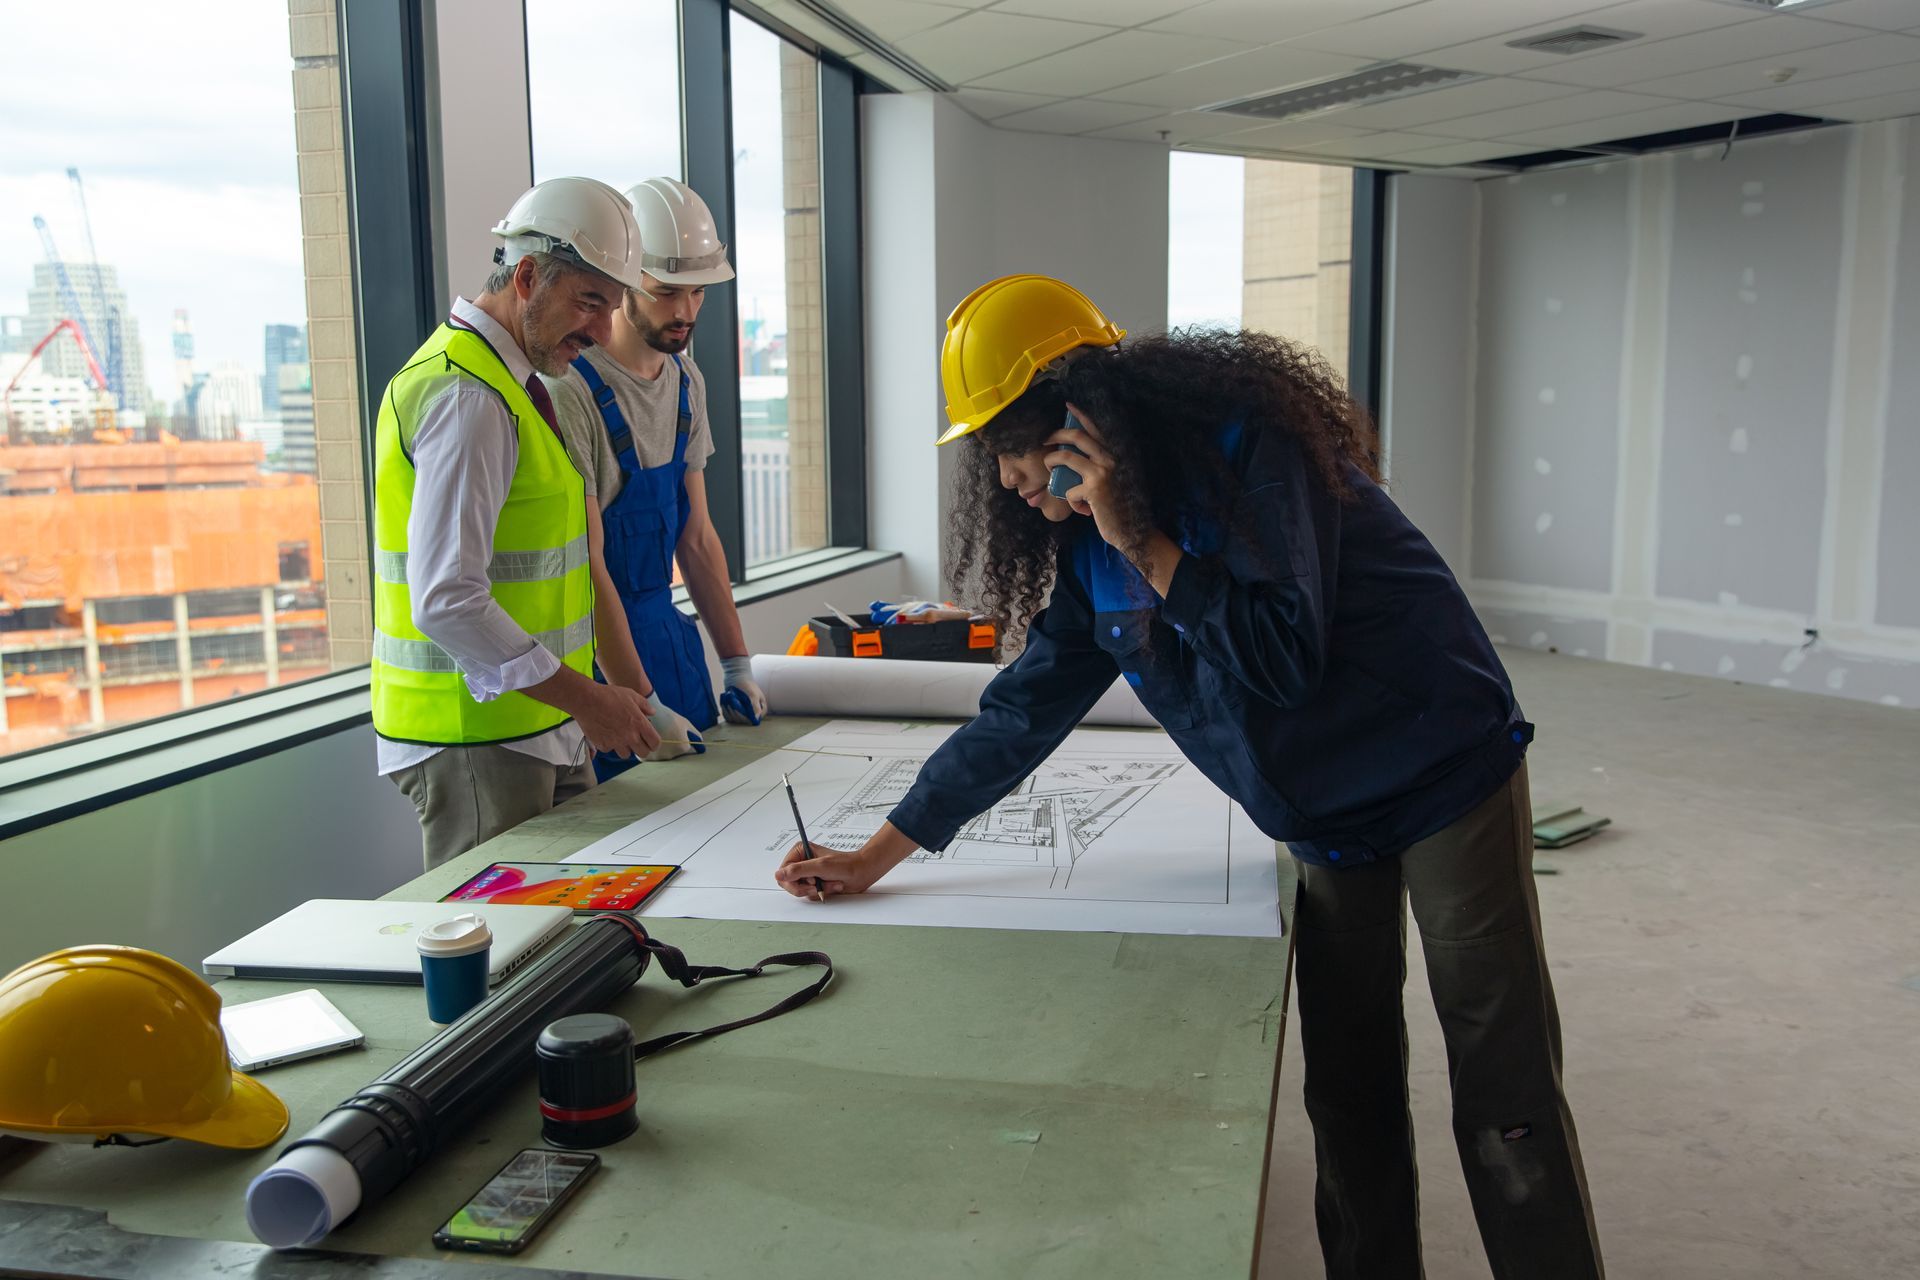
[1375, 84]
[1573, 40]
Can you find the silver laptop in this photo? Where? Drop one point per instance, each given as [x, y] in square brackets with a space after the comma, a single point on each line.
[340, 940]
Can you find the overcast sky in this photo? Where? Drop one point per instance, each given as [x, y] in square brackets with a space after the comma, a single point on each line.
[180, 119]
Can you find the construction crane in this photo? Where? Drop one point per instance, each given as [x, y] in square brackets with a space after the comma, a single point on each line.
[110, 353]
[67, 295]
[86, 352]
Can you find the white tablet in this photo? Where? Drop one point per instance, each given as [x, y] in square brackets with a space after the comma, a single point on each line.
[279, 1029]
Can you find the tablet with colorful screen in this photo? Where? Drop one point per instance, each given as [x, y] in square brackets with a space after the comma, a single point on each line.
[582, 886]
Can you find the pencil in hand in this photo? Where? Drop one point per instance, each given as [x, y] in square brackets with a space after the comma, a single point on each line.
[806, 846]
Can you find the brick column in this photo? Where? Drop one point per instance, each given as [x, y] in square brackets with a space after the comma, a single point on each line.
[806, 348]
[1298, 254]
[330, 329]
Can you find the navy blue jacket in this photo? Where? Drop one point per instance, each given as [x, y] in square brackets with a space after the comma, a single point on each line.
[1316, 659]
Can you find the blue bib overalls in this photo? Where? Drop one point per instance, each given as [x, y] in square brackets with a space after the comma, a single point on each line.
[642, 528]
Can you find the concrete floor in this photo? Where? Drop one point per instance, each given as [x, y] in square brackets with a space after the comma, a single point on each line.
[1738, 970]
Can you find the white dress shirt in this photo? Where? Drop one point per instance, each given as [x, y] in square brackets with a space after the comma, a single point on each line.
[465, 449]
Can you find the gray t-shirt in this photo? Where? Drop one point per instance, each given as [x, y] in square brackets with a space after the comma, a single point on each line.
[652, 411]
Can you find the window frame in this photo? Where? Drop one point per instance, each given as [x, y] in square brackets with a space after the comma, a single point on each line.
[1366, 289]
[385, 78]
[706, 120]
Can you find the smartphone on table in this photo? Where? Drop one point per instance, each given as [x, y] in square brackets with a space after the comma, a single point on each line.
[504, 1215]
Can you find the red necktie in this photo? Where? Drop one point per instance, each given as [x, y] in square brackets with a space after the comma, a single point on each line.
[537, 391]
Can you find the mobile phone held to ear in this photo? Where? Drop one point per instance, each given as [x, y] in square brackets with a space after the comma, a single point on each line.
[504, 1215]
[1063, 479]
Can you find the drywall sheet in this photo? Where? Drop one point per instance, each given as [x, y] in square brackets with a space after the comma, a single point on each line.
[1812, 668]
[886, 687]
[1751, 311]
[1116, 831]
[1553, 291]
[1581, 637]
[1898, 596]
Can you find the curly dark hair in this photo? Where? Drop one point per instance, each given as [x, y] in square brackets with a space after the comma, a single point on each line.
[1160, 402]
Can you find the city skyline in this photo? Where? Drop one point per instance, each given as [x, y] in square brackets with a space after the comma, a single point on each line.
[189, 165]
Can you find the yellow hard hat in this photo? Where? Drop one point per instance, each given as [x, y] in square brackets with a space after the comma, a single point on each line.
[1003, 334]
[106, 1040]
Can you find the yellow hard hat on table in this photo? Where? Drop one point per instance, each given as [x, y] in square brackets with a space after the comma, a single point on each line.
[106, 1041]
[1002, 335]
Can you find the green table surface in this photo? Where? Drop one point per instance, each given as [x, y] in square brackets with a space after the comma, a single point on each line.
[961, 1102]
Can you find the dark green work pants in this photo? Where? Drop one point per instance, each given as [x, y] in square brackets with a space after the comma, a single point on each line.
[1471, 889]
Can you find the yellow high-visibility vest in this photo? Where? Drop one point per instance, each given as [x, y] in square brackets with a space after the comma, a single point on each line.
[538, 572]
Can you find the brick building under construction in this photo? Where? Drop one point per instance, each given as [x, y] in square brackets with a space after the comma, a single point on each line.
[139, 579]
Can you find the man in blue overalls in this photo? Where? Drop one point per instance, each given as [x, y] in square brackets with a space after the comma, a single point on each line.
[634, 416]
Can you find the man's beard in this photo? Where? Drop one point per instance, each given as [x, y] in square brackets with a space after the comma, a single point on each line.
[542, 349]
[656, 336]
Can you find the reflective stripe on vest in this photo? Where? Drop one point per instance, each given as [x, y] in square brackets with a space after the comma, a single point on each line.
[537, 572]
[506, 566]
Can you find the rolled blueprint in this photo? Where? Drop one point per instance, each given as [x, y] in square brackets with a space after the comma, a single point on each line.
[363, 1148]
[897, 687]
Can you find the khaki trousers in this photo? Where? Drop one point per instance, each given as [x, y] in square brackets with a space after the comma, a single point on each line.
[468, 795]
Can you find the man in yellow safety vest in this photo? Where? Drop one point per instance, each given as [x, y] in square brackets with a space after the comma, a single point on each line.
[483, 692]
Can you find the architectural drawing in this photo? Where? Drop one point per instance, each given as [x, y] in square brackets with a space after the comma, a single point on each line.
[1116, 831]
[1050, 820]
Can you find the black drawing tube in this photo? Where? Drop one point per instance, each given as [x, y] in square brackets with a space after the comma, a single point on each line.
[365, 1146]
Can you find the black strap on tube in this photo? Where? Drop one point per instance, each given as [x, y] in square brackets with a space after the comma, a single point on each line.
[674, 963]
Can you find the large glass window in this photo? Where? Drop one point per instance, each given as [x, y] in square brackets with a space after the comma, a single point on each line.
[158, 452]
[627, 127]
[776, 190]
[620, 126]
[1262, 244]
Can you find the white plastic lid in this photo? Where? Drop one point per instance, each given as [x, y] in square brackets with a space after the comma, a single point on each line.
[458, 935]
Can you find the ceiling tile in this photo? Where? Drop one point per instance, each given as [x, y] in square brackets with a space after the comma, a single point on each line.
[1112, 60]
[1770, 35]
[1814, 94]
[1265, 21]
[1634, 124]
[991, 104]
[1075, 115]
[1885, 107]
[1241, 76]
[978, 44]
[1886, 15]
[1114, 13]
[1574, 110]
[1435, 24]
[893, 19]
[1180, 127]
[1651, 20]
[1449, 102]
[1871, 53]
[1288, 136]
[1372, 146]
[1463, 153]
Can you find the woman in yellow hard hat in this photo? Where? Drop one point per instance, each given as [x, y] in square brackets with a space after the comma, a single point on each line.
[1200, 512]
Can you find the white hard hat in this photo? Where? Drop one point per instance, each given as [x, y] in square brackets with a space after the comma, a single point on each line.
[579, 219]
[683, 246]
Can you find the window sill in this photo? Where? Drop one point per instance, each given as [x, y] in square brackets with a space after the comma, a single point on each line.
[39, 788]
[42, 787]
[790, 573]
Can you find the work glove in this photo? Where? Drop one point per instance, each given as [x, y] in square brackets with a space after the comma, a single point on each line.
[741, 702]
[678, 737]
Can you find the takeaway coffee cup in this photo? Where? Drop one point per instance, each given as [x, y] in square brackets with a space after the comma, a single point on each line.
[453, 964]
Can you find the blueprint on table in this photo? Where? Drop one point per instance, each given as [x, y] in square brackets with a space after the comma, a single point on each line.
[1115, 831]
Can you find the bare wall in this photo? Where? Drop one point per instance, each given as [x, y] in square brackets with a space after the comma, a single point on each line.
[1692, 409]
